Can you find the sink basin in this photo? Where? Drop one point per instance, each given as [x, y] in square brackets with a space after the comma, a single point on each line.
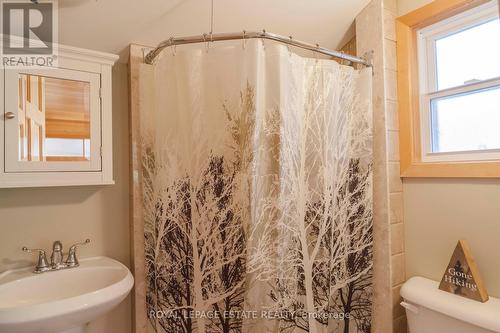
[61, 301]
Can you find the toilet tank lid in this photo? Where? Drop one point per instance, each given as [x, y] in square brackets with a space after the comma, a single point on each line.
[424, 292]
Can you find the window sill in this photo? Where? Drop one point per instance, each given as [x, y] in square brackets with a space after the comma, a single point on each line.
[486, 169]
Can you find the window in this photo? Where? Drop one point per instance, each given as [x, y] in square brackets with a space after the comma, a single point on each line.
[67, 149]
[459, 86]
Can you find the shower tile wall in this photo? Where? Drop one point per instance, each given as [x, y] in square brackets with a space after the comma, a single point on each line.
[398, 274]
[375, 31]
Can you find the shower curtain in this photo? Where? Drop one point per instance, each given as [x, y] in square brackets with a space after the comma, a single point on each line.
[257, 192]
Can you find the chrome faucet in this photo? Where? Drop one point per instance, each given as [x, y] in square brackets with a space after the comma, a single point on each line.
[57, 258]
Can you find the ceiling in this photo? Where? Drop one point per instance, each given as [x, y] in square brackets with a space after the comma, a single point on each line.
[111, 25]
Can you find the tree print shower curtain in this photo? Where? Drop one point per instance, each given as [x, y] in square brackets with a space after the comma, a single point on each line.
[257, 184]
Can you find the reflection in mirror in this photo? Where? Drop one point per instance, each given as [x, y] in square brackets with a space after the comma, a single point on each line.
[54, 119]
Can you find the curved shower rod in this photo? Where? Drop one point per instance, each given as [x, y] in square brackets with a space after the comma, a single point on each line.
[151, 56]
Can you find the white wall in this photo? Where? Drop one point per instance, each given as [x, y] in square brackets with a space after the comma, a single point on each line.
[35, 217]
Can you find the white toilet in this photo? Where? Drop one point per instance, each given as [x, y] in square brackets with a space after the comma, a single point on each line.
[430, 310]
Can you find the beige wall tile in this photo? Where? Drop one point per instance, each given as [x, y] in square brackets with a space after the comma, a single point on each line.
[397, 238]
[400, 325]
[397, 309]
[390, 60]
[395, 184]
[393, 146]
[397, 269]
[369, 36]
[391, 85]
[391, 115]
[396, 207]
[389, 25]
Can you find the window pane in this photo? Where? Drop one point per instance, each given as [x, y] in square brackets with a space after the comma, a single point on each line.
[466, 122]
[67, 149]
[471, 54]
[59, 114]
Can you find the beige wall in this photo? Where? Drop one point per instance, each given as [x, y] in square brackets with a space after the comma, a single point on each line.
[405, 6]
[440, 212]
[35, 217]
[95, 25]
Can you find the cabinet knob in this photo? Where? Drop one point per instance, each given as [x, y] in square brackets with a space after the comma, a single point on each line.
[10, 115]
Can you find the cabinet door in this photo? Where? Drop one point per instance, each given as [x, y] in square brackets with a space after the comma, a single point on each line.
[54, 120]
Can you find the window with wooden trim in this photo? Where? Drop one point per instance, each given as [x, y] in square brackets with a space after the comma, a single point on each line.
[459, 76]
[449, 90]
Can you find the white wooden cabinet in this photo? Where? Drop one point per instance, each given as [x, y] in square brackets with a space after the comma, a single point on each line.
[56, 126]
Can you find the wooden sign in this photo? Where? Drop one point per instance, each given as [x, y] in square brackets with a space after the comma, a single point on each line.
[462, 276]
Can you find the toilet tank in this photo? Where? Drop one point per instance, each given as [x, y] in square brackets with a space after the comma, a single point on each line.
[430, 310]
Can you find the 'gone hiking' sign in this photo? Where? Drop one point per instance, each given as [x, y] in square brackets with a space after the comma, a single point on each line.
[462, 276]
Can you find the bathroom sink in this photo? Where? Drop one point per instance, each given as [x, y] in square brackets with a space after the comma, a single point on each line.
[61, 301]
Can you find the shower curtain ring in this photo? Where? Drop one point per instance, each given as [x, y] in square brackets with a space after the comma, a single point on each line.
[173, 45]
[211, 40]
[288, 46]
[343, 61]
[263, 36]
[244, 39]
[207, 46]
[316, 53]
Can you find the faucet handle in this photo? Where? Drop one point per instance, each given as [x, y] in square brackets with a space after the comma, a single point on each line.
[42, 265]
[72, 261]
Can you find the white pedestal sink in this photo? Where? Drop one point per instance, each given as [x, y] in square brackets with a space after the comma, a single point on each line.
[61, 301]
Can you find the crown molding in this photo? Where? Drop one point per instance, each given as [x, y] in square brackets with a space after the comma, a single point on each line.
[71, 52]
